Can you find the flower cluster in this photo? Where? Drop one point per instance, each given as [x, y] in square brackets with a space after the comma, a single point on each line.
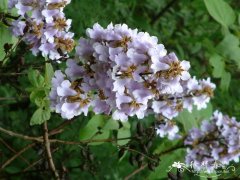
[122, 71]
[217, 140]
[42, 25]
[167, 128]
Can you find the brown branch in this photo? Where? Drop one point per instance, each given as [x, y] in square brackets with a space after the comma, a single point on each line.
[49, 154]
[31, 138]
[138, 152]
[36, 162]
[13, 150]
[11, 133]
[56, 131]
[172, 149]
[32, 165]
[135, 172]
[12, 98]
[60, 127]
[17, 154]
[51, 133]
[13, 74]
[180, 145]
[86, 141]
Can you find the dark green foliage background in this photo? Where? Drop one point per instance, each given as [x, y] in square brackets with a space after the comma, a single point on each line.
[186, 28]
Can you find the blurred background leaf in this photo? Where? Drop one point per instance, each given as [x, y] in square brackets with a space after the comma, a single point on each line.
[221, 12]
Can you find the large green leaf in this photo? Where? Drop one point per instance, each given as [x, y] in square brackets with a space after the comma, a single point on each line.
[165, 144]
[218, 65]
[194, 118]
[229, 47]
[124, 132]
[101, 136]
[40, 116]
[94, 124]
[3, 5]
[98, 127]
[221, 12]
[111, 125]
[225, 81]
[49, 72]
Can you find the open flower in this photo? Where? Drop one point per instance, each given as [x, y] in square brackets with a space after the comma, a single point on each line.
[126, 73]
[45, 29]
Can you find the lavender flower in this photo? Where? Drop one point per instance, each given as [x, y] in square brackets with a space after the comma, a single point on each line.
[45, 29]
[167, 128]
[218, 140]
[126, 73]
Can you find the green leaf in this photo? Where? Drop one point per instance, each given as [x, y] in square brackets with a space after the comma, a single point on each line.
[111, 125]
[49, 72]
[166, 161]
[194, 118]
[91, 128]
[225, 81]
[6, 37]
[40, 116]
[218, 65]
[102, 135]
[239, 19]
[221, 12]
[3, 5]
[12, 169]
[229, 47]
[95, 129]
[124, 132]
[37, 97]
[35, 78]
[165, 144]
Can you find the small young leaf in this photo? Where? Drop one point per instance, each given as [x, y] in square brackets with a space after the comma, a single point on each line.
[35, 78]
[37, 97]
[40, 116]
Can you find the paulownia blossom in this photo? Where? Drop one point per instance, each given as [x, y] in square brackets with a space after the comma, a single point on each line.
[122, 72]
[42, 25]
[218, 140]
